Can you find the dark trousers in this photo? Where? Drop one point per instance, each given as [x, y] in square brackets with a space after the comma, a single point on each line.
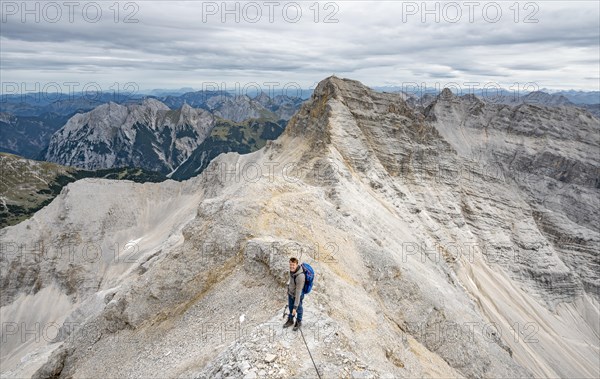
[299, 311]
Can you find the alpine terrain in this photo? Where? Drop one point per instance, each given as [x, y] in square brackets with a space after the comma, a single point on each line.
[457, 239]
[152, 136]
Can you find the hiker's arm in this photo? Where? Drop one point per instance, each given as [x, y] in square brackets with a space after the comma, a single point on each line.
[299, 287]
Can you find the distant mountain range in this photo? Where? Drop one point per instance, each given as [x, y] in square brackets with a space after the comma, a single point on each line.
[510, 98]
[574, 96]
[581, 97]
[228, 136]
[141, 132]
[62, 104]
[28, 135]
[177, 135]
[154, 137]
[147, 135]
[238, 108]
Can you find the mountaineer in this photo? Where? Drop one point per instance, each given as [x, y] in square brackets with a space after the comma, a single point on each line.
[300, 283]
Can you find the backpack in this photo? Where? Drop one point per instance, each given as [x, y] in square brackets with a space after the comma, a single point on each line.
[309, 275]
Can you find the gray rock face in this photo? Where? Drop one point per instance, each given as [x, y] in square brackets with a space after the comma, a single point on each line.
[459, 241]
[240, 108]
[147, 135]
[550, 155]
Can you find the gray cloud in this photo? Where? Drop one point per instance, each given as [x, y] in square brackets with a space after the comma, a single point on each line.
[378, 44]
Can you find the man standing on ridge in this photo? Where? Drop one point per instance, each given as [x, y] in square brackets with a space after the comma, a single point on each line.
[295, 294]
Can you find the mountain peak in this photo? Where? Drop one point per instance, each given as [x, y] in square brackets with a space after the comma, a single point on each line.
[262, 98]
[107, 107]
[446, 94]
[342, 111]
[334, 86]
[113, 135]
[186, 108]
[545, 98]
[154, 104]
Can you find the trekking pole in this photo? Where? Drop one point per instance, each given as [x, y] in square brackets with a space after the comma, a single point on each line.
[309, 353]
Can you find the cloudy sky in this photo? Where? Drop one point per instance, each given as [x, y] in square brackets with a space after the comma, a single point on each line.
[154, 44]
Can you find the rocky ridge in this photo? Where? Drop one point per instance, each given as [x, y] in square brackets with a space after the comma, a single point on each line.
[429, 262]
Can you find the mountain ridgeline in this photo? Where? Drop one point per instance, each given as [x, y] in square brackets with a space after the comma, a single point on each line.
[28, 125]
[457, 239]
[152, 136]
[133, 141]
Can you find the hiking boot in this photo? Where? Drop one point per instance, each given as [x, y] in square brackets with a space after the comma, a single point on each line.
[298, 325]
[288, 323]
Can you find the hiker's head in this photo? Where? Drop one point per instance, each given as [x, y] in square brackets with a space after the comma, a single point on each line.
[293, 264]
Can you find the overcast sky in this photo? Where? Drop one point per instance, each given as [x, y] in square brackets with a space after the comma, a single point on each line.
[553, 44]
